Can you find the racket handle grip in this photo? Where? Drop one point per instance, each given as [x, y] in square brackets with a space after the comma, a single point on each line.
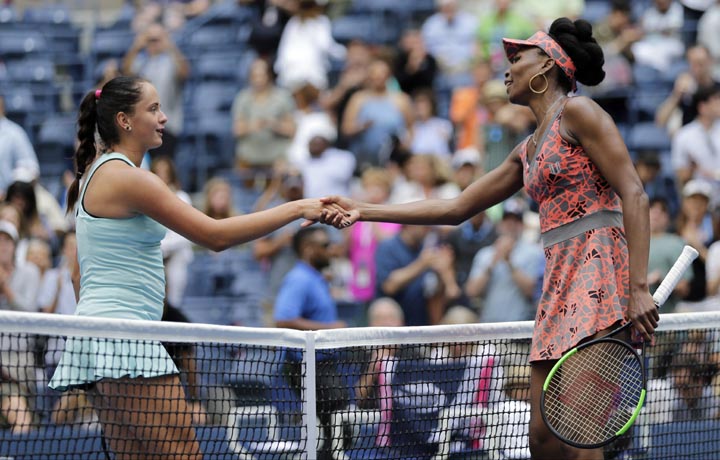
[674, 275]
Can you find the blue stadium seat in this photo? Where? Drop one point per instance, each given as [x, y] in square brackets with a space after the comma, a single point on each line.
[645, 100]
[108, 43]
[19, 102]
[208, 310]
[256, 432]
[59, 442]
[211, 97]
[695, 439]
[648, 136]
[55, 143]
[17, 43]
[595, 11]
[214, 443]
[355, 27]
[646, 75]
[366, 27]
[8, 14]
[256, 371]
[31, 70]
[216, 66]
[207, 38]
[47, 15]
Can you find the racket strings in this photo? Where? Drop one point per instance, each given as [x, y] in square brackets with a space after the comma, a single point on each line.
[594, 393]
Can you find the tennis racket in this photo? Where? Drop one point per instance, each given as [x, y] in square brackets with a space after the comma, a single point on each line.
[595, 392]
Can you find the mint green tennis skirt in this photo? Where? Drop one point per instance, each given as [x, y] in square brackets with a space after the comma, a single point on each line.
[87, 360]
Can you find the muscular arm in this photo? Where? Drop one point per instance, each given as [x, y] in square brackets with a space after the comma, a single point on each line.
[494, 187]
[589, 125]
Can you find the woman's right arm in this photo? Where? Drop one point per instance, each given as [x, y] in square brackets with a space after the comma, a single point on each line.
[142, 192]
[490, 189]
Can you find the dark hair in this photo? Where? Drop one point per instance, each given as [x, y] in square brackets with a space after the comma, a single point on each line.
[575, 37]
[621, 5]
[172, 169]
[662, 202]
[428, 94]
[703, 94]
[302, 235]
[120, 94]
[26, 191]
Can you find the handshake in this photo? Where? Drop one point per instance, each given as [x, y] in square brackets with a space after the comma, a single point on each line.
[340, 212]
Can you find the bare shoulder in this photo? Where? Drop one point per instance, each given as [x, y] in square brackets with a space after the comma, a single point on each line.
[582, 108]
[583, 116]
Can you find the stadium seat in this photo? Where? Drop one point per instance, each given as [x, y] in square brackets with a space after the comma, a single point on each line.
[109, 43]
[648, 136]
[59, 442]
[211, 97]
[20, 106]
[208, 309]
[55, 143]
[253, 432]
[224, 12]
[214, 443]
[207, 38]
[8, 14]
[31, 70]
[692, 439]
[230, 67]
[356, 27]
[16, 44]
[644, 102]
[256, 370]
[47, 15]
[595, 11]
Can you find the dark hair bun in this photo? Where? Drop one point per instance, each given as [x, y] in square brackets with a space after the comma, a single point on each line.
[575, 37]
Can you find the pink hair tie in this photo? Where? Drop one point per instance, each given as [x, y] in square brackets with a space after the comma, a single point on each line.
[98, 92]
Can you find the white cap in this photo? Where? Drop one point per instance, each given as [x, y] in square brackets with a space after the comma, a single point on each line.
[698, 187]
[468, 155]
[9, 229]
[25, 174]
[322, 127]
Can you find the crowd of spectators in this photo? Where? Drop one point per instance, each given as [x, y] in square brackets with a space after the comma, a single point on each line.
[320, 113]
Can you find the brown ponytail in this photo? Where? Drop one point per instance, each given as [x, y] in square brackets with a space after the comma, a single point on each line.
[97, 112]
[85, 153]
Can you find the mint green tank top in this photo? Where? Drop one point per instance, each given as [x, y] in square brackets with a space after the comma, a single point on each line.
[121, 265]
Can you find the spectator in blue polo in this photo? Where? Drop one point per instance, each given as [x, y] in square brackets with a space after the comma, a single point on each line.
[304, 303]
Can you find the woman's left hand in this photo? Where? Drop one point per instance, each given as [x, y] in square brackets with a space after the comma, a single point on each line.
[643, 313]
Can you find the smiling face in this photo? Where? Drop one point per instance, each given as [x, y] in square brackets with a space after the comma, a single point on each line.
[523, 66]
[147, 120]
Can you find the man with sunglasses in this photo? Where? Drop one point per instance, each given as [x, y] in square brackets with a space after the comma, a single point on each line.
[304, 302]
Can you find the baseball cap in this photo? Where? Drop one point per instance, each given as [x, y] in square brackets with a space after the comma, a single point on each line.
[25, 174]
[9, 229]
[513, 208]
[466, 156]
[698, 187]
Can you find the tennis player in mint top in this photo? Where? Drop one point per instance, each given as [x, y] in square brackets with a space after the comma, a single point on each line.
[593, 209]
[122, 212]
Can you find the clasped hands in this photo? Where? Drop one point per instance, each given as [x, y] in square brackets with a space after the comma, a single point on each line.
[340, 212]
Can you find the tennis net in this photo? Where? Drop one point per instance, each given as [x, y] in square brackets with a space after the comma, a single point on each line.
[445, 392]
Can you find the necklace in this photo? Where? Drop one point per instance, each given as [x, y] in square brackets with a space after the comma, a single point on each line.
[533, 138]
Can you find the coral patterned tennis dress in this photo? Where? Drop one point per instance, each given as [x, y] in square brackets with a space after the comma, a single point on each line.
[586, 282]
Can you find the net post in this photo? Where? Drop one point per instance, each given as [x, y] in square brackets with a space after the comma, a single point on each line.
[310, 397]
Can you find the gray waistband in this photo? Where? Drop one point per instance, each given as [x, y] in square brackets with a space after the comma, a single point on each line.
[596, 220]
